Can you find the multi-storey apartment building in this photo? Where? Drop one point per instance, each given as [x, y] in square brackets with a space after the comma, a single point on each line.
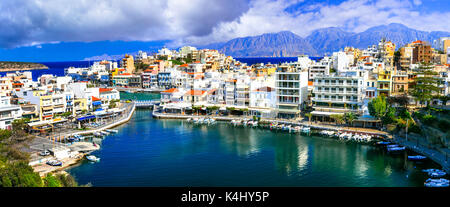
[338, 94]
[291, 87]
[8, 112]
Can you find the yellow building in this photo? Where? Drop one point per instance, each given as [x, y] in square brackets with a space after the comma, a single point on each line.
[128, 63]
[79, 105]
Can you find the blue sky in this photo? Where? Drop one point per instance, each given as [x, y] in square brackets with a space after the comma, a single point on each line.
[52, 30]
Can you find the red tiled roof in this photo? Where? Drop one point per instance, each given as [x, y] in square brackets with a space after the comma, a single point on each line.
[125, 74]
[102, 90]
[95, 98]
[172, 90]
[195, 93]
[265, 88]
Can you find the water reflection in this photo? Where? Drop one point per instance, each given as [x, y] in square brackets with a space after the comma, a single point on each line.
[176, 153]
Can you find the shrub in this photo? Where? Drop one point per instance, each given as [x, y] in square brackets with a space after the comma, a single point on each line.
[414, 129]
[428, 119]
[444, 125]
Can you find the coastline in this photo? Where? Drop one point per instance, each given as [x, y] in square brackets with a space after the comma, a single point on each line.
[43, 168]
[22, 69]
[435, 156]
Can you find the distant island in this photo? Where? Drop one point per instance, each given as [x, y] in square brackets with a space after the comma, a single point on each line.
[15, 66]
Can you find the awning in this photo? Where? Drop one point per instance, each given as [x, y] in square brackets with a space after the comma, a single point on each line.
[324, 113]
[86, 117]
[96, 103]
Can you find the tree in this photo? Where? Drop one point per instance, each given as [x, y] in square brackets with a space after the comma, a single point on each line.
[378, 107]
[51, 181]
[309, 115]
[338, 118]
[350, 117]
[425, 84]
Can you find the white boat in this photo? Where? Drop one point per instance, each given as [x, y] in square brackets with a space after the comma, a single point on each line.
[437, 182]
[104, 133]
[396, 149]
[417, 157]
[189, 120]
[92, 158]
[112, 130]
[54, 163]
[98, 134]
[306, 129]
[255, 124]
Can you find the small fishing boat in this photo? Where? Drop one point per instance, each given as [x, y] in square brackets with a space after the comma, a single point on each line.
[306, 129]
[98, 134]
[112, 130]
[437, 182]
[392, 145]
[396, 149]
[416, 157]
[383, 143]
[54, 163]
[92, 158]
[435, 173]
[189, 120]
[104, 133]
[44, 153]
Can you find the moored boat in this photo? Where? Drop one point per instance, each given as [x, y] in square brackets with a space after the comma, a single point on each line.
[417, 157]
[112, 130]
[54, 163]
[437, 182]
[92, 158]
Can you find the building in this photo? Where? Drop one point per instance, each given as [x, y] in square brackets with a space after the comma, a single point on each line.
[8, 112]
[337, 94]
[292, 90]
[128, 63]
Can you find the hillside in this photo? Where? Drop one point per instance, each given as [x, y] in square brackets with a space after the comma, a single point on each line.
[14, 66]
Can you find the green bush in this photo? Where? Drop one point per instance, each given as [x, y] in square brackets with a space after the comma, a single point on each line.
[444, 125]
[415, 129]
[428, 119]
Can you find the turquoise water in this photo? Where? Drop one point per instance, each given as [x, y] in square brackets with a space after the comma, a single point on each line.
[139, 96]
[154, 152]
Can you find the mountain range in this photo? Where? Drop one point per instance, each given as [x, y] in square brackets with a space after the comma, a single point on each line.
[320, 41]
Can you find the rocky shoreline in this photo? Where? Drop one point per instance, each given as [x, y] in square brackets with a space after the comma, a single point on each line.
[20, 66]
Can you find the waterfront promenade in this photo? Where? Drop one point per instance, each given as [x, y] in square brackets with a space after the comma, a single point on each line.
[77, 149]
[280, 121]
[439, 156]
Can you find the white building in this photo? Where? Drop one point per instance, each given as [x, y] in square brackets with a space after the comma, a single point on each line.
[8, 112]
[291, 89]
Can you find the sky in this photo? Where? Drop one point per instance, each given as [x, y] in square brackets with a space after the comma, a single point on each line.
[48, 30]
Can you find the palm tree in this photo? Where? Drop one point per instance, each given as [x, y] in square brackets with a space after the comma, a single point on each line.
[350, 117]
[309, 115]
[338, 118]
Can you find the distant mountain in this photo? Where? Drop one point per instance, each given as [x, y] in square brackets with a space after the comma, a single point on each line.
[103, 57]
[321, 41]
[281, 44]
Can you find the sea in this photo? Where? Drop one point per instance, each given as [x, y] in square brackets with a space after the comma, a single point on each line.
[163, 152]
[155, 152]
[57, 68]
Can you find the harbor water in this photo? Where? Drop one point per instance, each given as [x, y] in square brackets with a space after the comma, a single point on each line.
[159, 152]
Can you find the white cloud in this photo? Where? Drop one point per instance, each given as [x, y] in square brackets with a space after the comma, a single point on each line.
[28, 22]
[353, 15]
